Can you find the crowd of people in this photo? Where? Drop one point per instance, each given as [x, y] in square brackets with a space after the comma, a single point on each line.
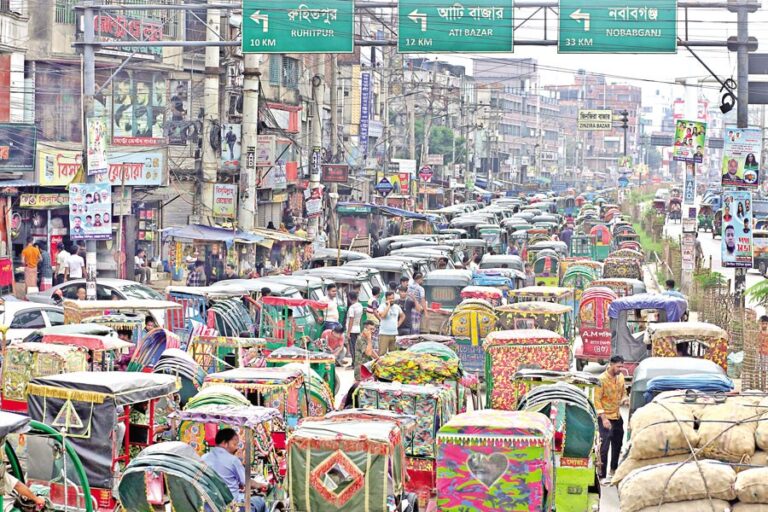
[42, 273]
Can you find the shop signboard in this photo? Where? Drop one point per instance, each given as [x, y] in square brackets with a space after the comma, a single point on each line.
[114, 27]
[17, 147]
[90, 211]
[224, 200]
[43, 201]
[365, 110]
[57, 167]
[139, 169]
[738, 222]
[595, 120]
[335, 173]
[690, 141]
[741, 157]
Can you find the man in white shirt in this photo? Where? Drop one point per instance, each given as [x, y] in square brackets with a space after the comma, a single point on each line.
[62, 259]
[354, 321]
[391, 318]
[75, 265]
[332, 311]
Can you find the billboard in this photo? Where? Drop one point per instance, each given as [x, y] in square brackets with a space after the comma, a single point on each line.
[90, 211]
[231, 146]
[138, 108]
[224, 200]
[177, 124]
[741, 157]
[690, 141]
[738, 222]
[17, 147]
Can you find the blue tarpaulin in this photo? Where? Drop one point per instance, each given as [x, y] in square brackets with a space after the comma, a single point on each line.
[703, 382]
[211, 234]
[674, 307]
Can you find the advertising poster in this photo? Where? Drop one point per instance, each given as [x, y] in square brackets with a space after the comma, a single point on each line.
[17, 147]
[224, 200]
[365, 105]
[97, 146]
[177, 123]
[90, 211]
[138, 108]
[57, 167]
[688, 250]
[690, 141]
[689, 187]
[741, 157]
[231, 146]
[738, 223]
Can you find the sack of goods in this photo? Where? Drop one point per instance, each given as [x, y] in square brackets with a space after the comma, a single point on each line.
[681, 484]
[727, 431]
[661, 430]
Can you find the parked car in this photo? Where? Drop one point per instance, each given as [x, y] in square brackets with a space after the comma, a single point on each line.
[22, 318]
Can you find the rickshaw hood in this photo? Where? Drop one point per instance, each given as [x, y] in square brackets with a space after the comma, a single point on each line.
[674, 307]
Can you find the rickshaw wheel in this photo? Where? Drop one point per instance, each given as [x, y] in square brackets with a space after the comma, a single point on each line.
[580, 365]
[761, 267]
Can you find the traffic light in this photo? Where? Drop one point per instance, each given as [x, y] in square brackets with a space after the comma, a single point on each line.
[624, 119]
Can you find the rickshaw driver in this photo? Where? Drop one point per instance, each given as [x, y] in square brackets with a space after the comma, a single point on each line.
[221, 459]
[10, 485]
[610, 395]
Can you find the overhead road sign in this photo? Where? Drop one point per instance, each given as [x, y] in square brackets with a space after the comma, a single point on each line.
[439, 26]
[595, 120]
[617, 26]
[298, 26]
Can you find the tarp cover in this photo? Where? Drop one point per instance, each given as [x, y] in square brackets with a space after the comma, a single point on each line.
[674, 307]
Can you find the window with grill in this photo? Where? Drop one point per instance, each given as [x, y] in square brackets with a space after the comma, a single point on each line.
[194, 23]
[5, 5]
[290, 73]
[275, 69]
[65, 12]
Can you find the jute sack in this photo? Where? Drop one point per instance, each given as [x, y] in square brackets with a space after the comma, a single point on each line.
[660, 430]
[672, 483]
[750, 507]
[760, 458]
[752, 486]
[629, 464]
[692, 506]
[761, 433]
[722, 436]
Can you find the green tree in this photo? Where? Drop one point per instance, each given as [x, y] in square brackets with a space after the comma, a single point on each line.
[441, 142]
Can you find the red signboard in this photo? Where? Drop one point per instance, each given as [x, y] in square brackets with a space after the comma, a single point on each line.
[335, 173]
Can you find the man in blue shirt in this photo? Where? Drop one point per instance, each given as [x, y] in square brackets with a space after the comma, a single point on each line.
[223, 461]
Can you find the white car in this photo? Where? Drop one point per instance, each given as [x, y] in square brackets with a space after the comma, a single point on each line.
[22, 318]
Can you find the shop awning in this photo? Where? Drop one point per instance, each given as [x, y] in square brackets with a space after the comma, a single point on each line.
[198, 232]
[278, 236]
[380, 209]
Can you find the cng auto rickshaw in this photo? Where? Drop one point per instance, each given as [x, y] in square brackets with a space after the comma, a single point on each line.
[602, 240]
[172, 473]
[689, 339]
[508, 351]
[350, 463]
[705, 218]
[594, 326]
[443, 294]
[536, 315]
[630, 317]
[547, 270]
[492, 460]
[106, 416]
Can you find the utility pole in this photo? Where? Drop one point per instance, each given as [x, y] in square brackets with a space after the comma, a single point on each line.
[211, 109]
[430, 114]
[318, 93]
[89, 94]
[246, 214]
[411, 106]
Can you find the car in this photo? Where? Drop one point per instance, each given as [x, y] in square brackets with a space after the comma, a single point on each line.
[105, 288]
[22, 318]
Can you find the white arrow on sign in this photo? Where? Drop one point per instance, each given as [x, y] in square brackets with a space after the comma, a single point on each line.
[581, 16]
[258, 18]
[419, 17]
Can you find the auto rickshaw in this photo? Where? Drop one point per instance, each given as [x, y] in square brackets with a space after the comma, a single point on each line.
[660, 205]
[630, 317]
[172, 473]
[534, 249]
[536, 315]
[578, 277]
[431, 405]
[502, 279]
[620, 286]
[547, 270]
[26, 361]
[280, 388]
[255, 426]
[490, 294]
[350, 463]
[491, 460]
[594, 326]
[495, 237]
[508, 351]
[556, 294]
[602, 242]
[717, 223]
[705, 218]
[628, 268]
[472, 320]
[443, 294]
[689, 339]
[278, 326]
[107, 416]
[627, 240]
[581, 246]
[574, 420]
[322, 363]
[675, 209]
[219, 353]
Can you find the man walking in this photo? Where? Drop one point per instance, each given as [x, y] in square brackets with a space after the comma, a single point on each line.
[62, 259]
[610, 395]
[31, 257]
[354, 322]
[45, 267]
[332, 311]
[419, 296]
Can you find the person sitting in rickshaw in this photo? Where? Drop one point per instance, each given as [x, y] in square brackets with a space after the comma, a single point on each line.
[222, 460]
[286, 332]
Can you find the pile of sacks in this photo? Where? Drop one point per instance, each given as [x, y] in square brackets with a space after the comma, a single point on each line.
[730, 443]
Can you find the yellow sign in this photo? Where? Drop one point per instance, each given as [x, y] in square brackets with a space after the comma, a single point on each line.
[57, 167]
[44, 201]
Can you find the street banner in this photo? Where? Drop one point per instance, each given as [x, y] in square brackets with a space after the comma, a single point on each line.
[97, 146]
[90, 211]
[738, 222]
[224, 200]
[365, 112]
[741, 157]
[690, 141]
[688, 251]
[689, 186]
[231, 146]
[178, 127]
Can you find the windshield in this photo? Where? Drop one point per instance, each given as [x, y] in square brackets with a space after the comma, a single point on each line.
[136, 291]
